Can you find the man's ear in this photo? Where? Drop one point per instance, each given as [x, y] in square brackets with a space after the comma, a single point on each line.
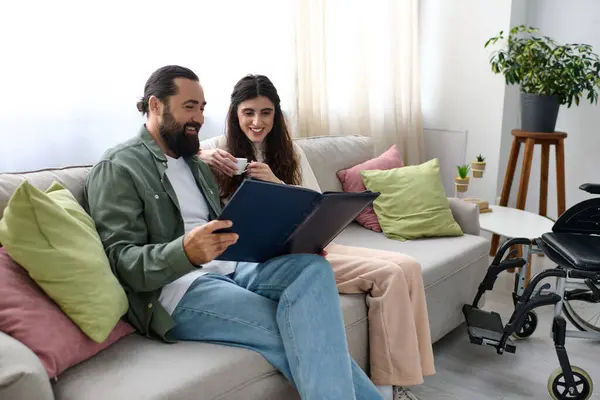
[155, 105]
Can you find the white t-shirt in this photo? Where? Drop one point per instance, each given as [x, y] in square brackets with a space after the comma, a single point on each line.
[194, 211]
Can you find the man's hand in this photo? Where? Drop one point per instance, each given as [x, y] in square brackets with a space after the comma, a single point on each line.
[219, 160]
[202, 244]
[261, 171]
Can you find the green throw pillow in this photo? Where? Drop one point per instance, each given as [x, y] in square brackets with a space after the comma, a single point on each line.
[55, 240]
[412, 203]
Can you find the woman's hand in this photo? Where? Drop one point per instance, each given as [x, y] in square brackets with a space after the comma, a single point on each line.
[219, 160]
[261, 171]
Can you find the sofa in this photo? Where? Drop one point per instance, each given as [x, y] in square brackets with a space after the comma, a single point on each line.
[139, 368]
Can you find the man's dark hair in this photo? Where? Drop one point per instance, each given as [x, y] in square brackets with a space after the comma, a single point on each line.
[162, 84]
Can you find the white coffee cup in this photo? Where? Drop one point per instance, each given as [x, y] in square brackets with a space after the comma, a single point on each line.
[241, 165]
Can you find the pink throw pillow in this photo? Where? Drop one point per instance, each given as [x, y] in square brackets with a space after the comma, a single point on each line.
[352, 182]
[30, 316]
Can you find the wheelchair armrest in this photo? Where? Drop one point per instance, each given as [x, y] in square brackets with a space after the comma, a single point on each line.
[593, 188]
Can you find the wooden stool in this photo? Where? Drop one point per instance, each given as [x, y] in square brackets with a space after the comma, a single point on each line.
[531, 139]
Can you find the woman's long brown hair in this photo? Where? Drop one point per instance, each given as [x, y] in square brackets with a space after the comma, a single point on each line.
[278, 145]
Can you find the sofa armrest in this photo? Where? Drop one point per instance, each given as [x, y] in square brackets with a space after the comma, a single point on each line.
[466, 215]
[22, 375]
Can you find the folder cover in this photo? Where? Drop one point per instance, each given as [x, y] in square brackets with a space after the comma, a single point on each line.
[274, 219]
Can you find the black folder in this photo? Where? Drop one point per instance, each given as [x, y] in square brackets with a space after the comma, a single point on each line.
[274, 219]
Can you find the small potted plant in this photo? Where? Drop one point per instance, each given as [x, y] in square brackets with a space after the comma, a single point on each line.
[462, 180]
[478, 167]
[549, 74]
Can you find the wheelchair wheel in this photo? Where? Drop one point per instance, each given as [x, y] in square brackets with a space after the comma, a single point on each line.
[583, 385]
[529, 326]
[583, 315]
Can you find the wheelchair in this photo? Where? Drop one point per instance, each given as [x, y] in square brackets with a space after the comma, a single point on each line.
[574, 246]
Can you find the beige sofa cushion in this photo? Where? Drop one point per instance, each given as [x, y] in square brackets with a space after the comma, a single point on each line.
[140, 368]
[329, 154]
[320, 152]
[136, 367]
[22, 375]
[72, 178]
[439, 257]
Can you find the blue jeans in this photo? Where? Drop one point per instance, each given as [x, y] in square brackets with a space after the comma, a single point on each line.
[288, 310]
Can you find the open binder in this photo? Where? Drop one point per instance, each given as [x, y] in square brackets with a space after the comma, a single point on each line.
[274, 219]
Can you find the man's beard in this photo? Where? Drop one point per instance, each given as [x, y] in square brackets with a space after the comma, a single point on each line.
[175, 137]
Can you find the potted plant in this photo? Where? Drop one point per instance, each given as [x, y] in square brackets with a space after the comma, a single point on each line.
[462, 180]
[478, 166]
[549, 74]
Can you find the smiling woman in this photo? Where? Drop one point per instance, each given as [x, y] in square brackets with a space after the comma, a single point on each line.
[257, 131]
[75, 70]
[256, 117]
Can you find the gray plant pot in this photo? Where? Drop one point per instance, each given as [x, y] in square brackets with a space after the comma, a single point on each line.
[538, 112]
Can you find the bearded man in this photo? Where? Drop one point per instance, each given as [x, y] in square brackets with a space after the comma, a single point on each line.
[155, 206]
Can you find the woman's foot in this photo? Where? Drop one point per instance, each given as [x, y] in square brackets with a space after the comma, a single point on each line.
[401, 393]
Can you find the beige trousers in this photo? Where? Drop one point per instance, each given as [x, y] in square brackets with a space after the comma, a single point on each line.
[401, 353]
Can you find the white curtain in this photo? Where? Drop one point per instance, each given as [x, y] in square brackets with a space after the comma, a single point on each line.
[72, 71]
[358, 72]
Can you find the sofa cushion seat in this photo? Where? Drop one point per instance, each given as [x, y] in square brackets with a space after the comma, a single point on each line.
[140, 368]
[439, 257]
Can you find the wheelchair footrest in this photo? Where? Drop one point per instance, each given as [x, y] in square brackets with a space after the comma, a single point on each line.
[485, 327]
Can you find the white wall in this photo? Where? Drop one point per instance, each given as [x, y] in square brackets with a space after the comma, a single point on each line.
[449, 147]
[574, 21]
[72, 71]
[459, 92]
[512, 115]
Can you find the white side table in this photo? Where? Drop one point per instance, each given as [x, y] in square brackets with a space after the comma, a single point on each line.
[511, 223]
[515, 223]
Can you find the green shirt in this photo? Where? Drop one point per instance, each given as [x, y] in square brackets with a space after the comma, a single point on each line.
[137, 216]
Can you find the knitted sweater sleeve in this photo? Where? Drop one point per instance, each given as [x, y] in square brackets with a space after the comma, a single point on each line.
[308, 178]
[217, 142]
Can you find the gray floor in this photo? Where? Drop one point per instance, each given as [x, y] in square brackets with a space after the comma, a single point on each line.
[466, 371]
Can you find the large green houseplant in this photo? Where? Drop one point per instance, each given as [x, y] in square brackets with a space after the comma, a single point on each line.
[549, 74]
